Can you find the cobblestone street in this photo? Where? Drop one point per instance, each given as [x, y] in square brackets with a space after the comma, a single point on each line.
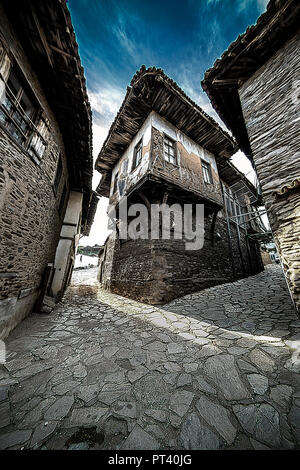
[212, 370]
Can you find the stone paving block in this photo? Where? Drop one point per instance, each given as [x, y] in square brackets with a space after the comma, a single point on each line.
[261, 421]
[262, 360]
[4, 414]
[158, 415]
[42, 432]
[281, 394]
[204, 386]
[108, 398]
[14, 438]
[224, 374]
[175, 348]
[137, 373]
[109, 351]
[87, 416]
[217, 416]
[196, 436]
[259, 383]
[125, 409]
[184, 379]
[139, 439]
[59, 409]
[88, 393]
[180, 401]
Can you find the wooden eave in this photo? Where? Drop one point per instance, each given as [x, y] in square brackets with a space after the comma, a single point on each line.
[45, 31]
[91, 211]
[151, 90]
[243, 58]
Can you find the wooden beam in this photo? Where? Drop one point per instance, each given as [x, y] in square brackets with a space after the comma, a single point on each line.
[60, 51]
[228, 81]
[43, 38]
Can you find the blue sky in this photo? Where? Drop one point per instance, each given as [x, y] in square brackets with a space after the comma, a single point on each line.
[183, 37]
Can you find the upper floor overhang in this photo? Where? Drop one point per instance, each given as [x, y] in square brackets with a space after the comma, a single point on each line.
[151, 90]
[45, 31]
[243, 58]
[239, 183]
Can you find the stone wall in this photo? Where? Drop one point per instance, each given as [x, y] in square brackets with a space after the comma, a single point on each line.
[271, 106]
[31, 210]
[156, 271]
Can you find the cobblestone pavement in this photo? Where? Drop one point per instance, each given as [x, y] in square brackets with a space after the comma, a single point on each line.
[212, 370]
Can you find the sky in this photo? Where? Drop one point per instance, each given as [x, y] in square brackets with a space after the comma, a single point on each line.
[183, 37]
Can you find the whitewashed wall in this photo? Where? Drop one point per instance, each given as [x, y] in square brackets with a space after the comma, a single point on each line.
[163, 125]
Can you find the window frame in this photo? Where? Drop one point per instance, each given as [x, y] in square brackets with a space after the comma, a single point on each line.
[206, 170]
[167, 138]
[30, 132]
[138, 147]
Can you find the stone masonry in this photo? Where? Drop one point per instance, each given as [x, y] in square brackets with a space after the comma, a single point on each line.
[270, 102]
[31, 212]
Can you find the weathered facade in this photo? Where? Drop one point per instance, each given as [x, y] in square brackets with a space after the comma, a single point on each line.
[46, 196]
[255, 88]
[162, 148]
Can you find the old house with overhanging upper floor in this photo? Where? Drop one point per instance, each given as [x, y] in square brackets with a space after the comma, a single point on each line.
[163, 148]
[255, 88]
[46, 197]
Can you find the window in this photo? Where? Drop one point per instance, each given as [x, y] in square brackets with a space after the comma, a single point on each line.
[115, 183]
[20, 113]
[169, 150]
[137, 154]
[206, 171]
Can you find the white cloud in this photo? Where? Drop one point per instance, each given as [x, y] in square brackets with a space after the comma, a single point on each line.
[125, 41]
[243, 164]
[105, 105]
[107, 100]
[99, 231]
[99, 135]
[243, 4]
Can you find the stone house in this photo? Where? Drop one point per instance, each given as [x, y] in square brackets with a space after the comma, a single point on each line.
[255, 88]
[46, 197]
[163, 148]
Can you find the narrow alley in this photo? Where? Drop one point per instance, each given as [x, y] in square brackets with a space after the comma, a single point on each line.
[218, 369]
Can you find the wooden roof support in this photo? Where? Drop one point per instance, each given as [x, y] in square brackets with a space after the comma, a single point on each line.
[43, 37]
